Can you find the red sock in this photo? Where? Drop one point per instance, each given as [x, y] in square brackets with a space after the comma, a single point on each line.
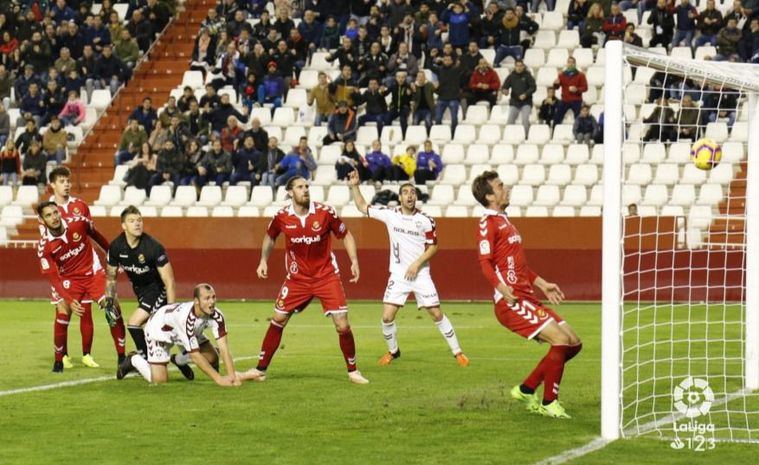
[86, 328]
[60, 335]
[118, 333]
[348, 346]
[270, 345]
[572, 351]
[554, 369]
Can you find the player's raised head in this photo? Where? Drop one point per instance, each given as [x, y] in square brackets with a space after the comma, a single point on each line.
[204, 296]
[131, 221]
[49, 214]
[297, 190]
[60, 181]
[490, 192]
[407, 196]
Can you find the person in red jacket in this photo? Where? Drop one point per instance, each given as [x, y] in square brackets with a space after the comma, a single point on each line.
[483, 85]
[614, 24]
[573, 84]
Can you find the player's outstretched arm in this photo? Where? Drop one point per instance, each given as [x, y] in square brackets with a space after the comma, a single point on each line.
[350, 246]
[229, 362]
[167, 276]
[551, 290]
[358, 198]
[99, 238]
[201, 362]
[266, 248]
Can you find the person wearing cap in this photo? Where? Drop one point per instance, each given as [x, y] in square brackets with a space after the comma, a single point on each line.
[342, 125]
[272, 89]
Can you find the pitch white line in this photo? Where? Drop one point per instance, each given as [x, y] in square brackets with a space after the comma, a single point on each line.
[79, 382]
[599, 442]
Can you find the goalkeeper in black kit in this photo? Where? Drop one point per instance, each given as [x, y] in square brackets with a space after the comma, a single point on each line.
[146, 263]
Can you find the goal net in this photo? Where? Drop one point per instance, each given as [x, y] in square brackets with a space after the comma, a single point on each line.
[680, 308]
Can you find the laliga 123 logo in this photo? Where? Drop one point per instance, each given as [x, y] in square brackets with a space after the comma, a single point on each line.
[693, 398]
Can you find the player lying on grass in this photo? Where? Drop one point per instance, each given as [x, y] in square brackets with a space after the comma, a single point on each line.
[504, 264]
[183, 324]
[413, 242]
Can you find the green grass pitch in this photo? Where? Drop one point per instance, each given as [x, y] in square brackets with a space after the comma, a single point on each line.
[423, 409]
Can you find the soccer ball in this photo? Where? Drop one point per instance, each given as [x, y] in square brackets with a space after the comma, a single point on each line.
[705, 154]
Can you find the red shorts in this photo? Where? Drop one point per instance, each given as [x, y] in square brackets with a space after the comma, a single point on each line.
[83, 289]
[527, 317]
[294, 296]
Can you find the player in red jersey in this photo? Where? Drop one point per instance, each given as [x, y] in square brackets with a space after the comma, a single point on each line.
[69, 207]
[312, 272]
[504, 264]
[66, 258]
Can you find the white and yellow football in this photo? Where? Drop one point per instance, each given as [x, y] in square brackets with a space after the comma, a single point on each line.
[705, 154]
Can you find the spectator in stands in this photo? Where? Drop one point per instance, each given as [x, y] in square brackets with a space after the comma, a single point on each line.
[662, 123]
[490, 26]
[483, 85]
[287, 62]
[244, 161]
[401, 94]
[37, 53]
[527, 24]
[585, 127]
[183, 104]
[548, 108]
[109, 71]
[158, 14]
[142, 168]
[203, 57]
[350, 160]
[30, 133]
[221, 114]
[299, 162]
[10, 164]
[345, 55]
[450, 82]
[146, 115]
[342, 125]
[65, 63]
[709, 23]
[720, 107]
[688, 118]
[325, 103]
[270, 162]
[131, 140]
[114, 25]
[748, 47]
[686, 24]
[141, 30]
[5, 87]
[53, 98]
[62, 12]
[97, 35]
[457, 17]
[54, 142]
[310, 30]
[343, 88]
[72, 39]
[5, 125]
[127, 49]
[373, 65]
[216, 165]
[33, 104]
[591, 32]
[272, 89]
[379, 164]
[387, 41]
[74, 111]
[614, 24]
[576, 14]
[404, 165]
[190, 161]
[508, 43]
[197, 122]
[259, 134]
[402, 60]
[298, 50]
[22, 82]
[573, 84]
[230, 135]
[727, 41]
[376, 105]
[33, 167]
[520, 85]
[249, 91]
[428, 164]
[87, 64]
[631, 37]
[469, 60]
[423, 100]
[210, 101]
[331, 34]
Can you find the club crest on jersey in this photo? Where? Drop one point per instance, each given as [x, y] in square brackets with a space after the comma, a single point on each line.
[77, 237]
[541, 313]
[77, 211]
[316, 226]
[280, 304]
[141, 258]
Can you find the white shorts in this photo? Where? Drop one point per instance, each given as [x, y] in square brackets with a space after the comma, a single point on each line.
[398, 289]
[159, 352]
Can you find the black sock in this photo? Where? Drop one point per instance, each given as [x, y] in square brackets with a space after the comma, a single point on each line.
[546, 402]
[138, 336]
[526, 390]
[215, 365]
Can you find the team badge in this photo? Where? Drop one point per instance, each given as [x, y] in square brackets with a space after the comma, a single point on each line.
[141, 258]
[541, 313]
[77, 211]
[280, 304]
[418, 225]
[316, 226]
[77, 237]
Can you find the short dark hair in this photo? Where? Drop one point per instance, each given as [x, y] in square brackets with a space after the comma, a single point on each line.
[291, 181]
[42, 205]
[406, 184]
[58, 172]
[196, 290]
[481, 186]
[130, 210]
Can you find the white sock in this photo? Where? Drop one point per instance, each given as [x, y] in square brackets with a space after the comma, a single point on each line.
[390, 331]
[446, 329]
[182, 359]
[142, 365]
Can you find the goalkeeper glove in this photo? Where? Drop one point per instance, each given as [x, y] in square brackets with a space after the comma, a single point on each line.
[112, 312]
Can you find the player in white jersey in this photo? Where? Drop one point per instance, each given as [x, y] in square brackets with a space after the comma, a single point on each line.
[413, 242]
[183, 324]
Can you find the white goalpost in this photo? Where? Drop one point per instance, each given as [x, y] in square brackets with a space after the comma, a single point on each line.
[680, 305]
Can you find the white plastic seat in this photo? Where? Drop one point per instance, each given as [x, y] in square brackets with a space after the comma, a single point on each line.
[442, 194]
[545, 40]
[527, 154]
[499, 114]
[476, 115]
[595, 76]
[683, 195]
[192, 79]
[465, 197]
[521, 195]
[453, 174]
[134, 196]
[11, 216]
[721, 174]
[539, 134]
[329, 154]
[234, 197]
[109, 195]
[247, 211]
[501, 153]
[577, 154]
[693, 175]
[366, 135]
[639, 174]
[221, 211]
[440, 133]
[667, 173]
[490, 134]
[630, 154]
[568, 39]
[586, 175]
[100, 99]
[716, 131]
[654, 153]
[546, 76]
[732, 152]
[700, 216]
[590, 211]
[672, 210]
[325, 176]
[533, 175]
[275, 131]
[559, 175]
[681, 52]
[262, 113]
[185, 196]
[261, 196]
[536, 211]
[6, 195]
[148, 211]
[159, 196]
[296, 98]
[197, 212]
[655, 195]
[511, 211]
[705, 51]
[210, 196]
[547, 196]
[552, 154]
[452, 154]
[351, 211]
[710, 194]
[172, 211]
[316, 135]
[597, 154]
[562, 134]
[477, 154]
[574, 195]
[98, 211]
[338, 196]
[293, 135]
[464, 134]
[534, 58]
[509, 174]
[552, 20]
[308, 79]
[475, 171]
[456, 211]
[739, 132]
[631, 194]
[118, 175]
[415, 135]
[563, 211]
[583, 57]
[679, 153]
[557, 57]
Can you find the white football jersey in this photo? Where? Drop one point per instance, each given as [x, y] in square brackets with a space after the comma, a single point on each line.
[409, 236]
[177, 324]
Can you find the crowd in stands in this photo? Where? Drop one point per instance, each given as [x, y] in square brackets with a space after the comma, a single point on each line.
[53, 55]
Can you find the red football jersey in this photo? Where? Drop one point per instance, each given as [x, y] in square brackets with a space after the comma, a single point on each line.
[70, 254]
[308, 254]
[73, 207]
[502, 257]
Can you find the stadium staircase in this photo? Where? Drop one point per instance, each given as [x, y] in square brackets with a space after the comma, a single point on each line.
[729, 227]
